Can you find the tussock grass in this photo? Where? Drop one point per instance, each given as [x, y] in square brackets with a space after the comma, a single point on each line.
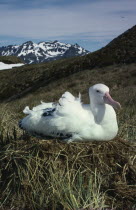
[121, 89]
[38, 174]
[41, 174]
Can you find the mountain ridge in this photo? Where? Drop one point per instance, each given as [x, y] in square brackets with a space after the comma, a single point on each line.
[28, 78]
[31, 52]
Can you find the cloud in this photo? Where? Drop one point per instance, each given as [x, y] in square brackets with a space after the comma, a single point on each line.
[91, 20]
[25, 4]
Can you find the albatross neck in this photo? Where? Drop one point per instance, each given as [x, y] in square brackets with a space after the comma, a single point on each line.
[98, 111]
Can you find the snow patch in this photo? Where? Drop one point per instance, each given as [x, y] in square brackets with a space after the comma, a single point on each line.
[4, 66]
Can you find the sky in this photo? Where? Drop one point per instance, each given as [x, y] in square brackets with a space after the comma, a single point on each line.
[90, 23]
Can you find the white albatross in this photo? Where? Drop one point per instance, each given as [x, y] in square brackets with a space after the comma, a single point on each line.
[70, 120]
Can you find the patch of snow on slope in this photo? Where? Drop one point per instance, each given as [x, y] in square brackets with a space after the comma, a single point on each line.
[4, 66]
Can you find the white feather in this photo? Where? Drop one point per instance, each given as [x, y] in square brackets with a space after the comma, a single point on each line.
[95, 121]
[27, 110]
[43, 105]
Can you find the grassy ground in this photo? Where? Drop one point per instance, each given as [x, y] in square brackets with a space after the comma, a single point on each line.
[24, 80]
[120, 79]
[10, 59]
[41, 174]
[38, 174]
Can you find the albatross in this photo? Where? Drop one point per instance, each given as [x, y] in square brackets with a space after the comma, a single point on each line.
[70, 120]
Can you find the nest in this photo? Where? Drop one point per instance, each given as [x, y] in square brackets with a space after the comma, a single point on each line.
[31, 167]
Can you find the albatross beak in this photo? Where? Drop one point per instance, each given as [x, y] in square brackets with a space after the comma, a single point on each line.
[108, 100]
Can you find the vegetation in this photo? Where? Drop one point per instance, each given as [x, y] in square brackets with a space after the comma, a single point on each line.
[10, 59]
[41, 174]
[29, 78]
[37, 174]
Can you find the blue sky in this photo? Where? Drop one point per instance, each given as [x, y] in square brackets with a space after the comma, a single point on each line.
[90, 23]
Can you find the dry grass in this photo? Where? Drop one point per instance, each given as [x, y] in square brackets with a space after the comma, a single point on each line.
[40, 174]
[122, 90]
[43, 175]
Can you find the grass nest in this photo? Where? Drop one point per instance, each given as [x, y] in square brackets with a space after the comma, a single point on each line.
[39, 174]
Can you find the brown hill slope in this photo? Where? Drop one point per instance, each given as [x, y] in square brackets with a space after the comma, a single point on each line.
[10, 59]
[120, 78]
[30, 77]
[111, 165]
[87, 175]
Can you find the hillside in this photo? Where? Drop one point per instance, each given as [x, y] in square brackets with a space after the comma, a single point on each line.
[10, 59]
[28, 78]
[44, 174]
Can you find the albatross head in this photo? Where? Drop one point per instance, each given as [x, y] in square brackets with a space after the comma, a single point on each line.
[99, 94]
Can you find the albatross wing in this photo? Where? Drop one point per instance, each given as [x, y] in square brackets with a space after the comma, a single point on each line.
[58, 121]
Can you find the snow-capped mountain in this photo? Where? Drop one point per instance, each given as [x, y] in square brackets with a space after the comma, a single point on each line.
[31, 52]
